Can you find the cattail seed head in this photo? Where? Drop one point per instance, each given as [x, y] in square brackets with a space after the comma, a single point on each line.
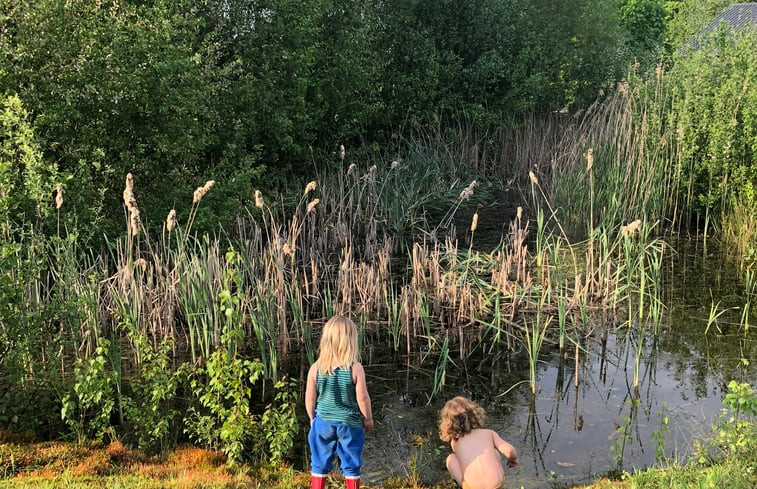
[171, 220]
[309, 187]
[351, 168]
[129, 181]
[134, 221]
[631, 228]
[520, 212]
[533, 178]
[197, 195]
[200, 192]
[589, 159]
[259, 203]
[141, 263]
[394, 165]
[129, 200]
[474, 223]
[59, 197]
[341, 152]
[312, 205]
[467, 192]
[288, 251]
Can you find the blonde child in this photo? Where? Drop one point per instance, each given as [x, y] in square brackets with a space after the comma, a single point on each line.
[338, 405]
[475, 462]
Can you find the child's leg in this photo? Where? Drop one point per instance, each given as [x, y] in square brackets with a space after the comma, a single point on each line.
[322, 439]
[349, 448]
[454, 468]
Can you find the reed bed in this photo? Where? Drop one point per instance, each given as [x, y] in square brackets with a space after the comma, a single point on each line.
[280, 275]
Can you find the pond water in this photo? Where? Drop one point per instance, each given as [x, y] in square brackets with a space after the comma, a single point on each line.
[570, 434]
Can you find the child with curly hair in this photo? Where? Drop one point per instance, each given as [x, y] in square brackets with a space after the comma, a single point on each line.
[338, 405]
[474, 462]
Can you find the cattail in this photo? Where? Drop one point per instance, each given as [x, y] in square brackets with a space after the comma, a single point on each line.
[287, 249]
[201, 191]
[351, 168]
[658, 72]
[370, 174]
[135, 223]
[533, 178]
[467, 192]
[309, 187]
[129, 200]
[589, 159]
[312, 205]
[171, 220]
[197, 195]
[520, 212]
[59, 197]
[341, 152]
[631, 228]
[394, 165]
[474, 223]
[259, 203]
[129, 181]
[141, 263]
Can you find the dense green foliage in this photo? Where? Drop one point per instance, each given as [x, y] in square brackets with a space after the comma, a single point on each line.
[185, 91]
[714, 106]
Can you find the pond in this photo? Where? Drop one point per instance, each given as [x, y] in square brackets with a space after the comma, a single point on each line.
[572, 434]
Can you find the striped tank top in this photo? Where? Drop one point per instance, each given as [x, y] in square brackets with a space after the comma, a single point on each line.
[336, 400]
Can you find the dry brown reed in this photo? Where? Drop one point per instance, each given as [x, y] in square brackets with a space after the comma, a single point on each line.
[329, 255]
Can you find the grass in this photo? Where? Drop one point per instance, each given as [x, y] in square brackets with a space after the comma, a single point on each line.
[24, 464]
[731, 474]
[69, 465]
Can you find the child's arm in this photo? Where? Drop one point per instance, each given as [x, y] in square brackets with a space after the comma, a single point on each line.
[363, 399]
[506, 449]
[311, 392]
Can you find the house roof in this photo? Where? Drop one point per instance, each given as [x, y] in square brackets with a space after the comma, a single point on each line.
[737, 16]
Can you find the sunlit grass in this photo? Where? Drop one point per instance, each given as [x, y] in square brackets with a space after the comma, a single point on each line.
[68, 465]
[735, 474]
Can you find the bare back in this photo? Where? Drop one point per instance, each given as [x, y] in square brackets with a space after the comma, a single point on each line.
[478, 455]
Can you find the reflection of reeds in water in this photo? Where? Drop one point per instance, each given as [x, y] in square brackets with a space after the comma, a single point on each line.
[750, 288]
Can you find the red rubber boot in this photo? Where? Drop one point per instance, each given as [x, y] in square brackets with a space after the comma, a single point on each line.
[317, 482]
[352, 483]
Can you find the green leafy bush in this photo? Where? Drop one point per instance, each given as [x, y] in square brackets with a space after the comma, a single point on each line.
[151, 406]
[736, 431]
[88, 409]
[224, 419]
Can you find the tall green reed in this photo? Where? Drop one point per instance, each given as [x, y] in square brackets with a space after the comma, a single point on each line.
[535, 331]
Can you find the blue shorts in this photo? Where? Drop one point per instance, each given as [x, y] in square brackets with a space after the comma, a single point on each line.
[329, 439]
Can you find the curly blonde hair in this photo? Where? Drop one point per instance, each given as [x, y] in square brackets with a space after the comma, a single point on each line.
[458, 417]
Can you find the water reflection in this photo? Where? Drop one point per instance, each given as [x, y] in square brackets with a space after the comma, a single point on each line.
[568, 433]
[587, 418]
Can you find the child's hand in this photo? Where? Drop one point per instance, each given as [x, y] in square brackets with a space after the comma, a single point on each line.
[368, 424]
[513, 461]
